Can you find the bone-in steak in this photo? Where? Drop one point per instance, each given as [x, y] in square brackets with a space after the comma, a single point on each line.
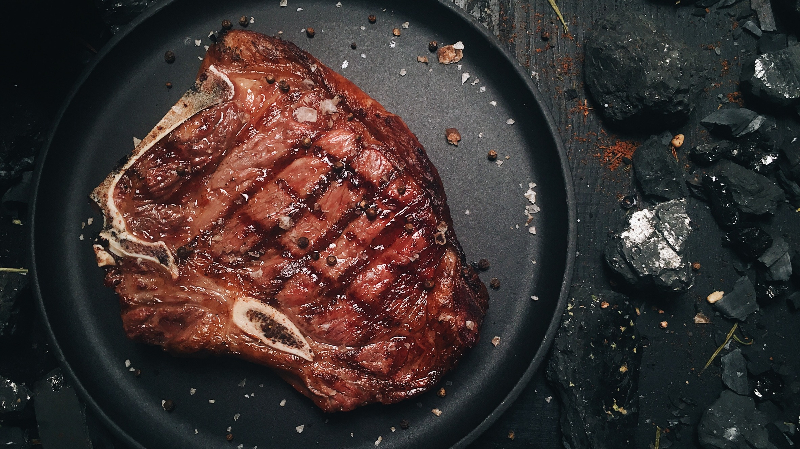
[279, 214]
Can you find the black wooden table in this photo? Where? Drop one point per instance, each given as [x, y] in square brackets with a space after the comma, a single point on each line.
[51, 41]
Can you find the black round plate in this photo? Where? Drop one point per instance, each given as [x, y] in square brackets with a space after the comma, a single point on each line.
[124, 95]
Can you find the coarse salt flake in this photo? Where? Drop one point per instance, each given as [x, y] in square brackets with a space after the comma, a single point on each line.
[127, 363]
[405, 25]
[482, 89]
[532, 230]
[80, 237]
[403, 72]
[510, 121]
[436, 412]
[345, 64]
[305, 114]
[338, 4]
[475, 81]
[363, 56]
[198, 42]
[299, 9]
[493, 103]
[242, 383]
[378, 441]
[458, 45]
[300, 428]
[498, 162]
[192, 391]
[211, 401]
[535, 298]
[283, 402]
[328, 106]
[392, 44]
[495, 340]
[236, 416]
[136, 141]
[464, 77]
[284, 3]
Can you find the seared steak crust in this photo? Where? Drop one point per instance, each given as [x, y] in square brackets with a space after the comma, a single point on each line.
[279, 214]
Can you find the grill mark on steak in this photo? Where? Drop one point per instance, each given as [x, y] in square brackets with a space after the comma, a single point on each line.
[203, 226]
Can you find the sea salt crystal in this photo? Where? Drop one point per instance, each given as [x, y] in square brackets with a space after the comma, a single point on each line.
[198, 42]
[363, 56]
[464, 77]
[436, 412]
[127, 363]
[405, 25]
[378, 441]
[458, 45]
[475, 81]
[284, 3]
[236, 416]
[392, 44]
[192, 391]
[403, 72]
[243, 382]
[493, 103]
[299, 9]
[305, 114]
[339, 4]
[345, 64]
[136, 142]
[510, 121]
[532, 230]
[482, 89]
[211, 401]
[283, 402]
[89, 221]
[300, 428]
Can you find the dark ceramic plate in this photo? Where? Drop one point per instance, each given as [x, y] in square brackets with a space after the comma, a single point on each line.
[124, 94]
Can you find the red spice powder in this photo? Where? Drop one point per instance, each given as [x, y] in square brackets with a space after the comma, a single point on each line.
[613, 154]
[736, 97]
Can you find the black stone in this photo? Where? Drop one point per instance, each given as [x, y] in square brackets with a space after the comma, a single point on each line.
[657, 171]
[708, 153]
[594, 368]
[641, 78]
[737, 33]
[774, 77]
[740, 301]
[758, 361]
[731, 422]
[752, 193]
[694, 182]
[734, 372]
[750, 154]
[750, 242]
[720, 197]
[770, 42]
[768, 290]
[733, 122]
[776, 261]
[651, 252]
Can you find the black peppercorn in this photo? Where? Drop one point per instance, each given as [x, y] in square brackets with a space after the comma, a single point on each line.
[372, 18]
[229, 437]
[243, 21]
[270, 78]
[168, 405]
[483, 264]
[169, 56]
[353, 45]
[396, 32]
[350, 117]
[409, 227]
[433, 46]
[372, 213]
[494, 283]
[302, 242]
[401, 190]
[331, 260]
[338, 165]
[306, 142]
[315, 255]
[310, 32]
[492, 155]
[226, 24]
[283, 85]
[169, 85]
[428, 284]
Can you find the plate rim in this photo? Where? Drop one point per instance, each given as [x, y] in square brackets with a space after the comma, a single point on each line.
[468, 20]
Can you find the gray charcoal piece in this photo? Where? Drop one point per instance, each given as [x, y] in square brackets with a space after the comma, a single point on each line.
[651, 252]
[753, 28]
[594, 368]
[770, 42]
[641, 78]
[734, 372]
[740, 302]
[657, 170]
[777, 261]
[774, 77]
[733, 122]
[753, 193]
[732, 422]
[763, 10]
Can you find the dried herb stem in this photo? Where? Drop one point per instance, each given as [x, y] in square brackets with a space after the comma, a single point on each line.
[658, 438]
[739, 340]
[716, 353]
[13, 270]
[558, 13]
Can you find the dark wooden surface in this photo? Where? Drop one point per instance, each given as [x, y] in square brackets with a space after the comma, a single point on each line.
[673, 356]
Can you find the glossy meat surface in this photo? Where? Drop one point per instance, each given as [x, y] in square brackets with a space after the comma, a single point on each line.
[281, 215]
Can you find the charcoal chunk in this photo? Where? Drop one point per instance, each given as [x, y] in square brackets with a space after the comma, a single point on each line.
[641, 78]
[708, 153]
[12, 437]
[774, 77]
[733, 122]
[767, 289]
[11, 287]
[14, 397]
[732, 422]
[750, 242]
[59, 414]
[767, 386]
[740, 301]
[651, 252]
[594, 367]
[752, 28]
[776, 261]
[734, 372]
[657, 171]
[757, 360]
[720, 197]
[752, 193]
[770, 42]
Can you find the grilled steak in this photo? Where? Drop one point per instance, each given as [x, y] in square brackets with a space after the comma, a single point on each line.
[279, 214]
